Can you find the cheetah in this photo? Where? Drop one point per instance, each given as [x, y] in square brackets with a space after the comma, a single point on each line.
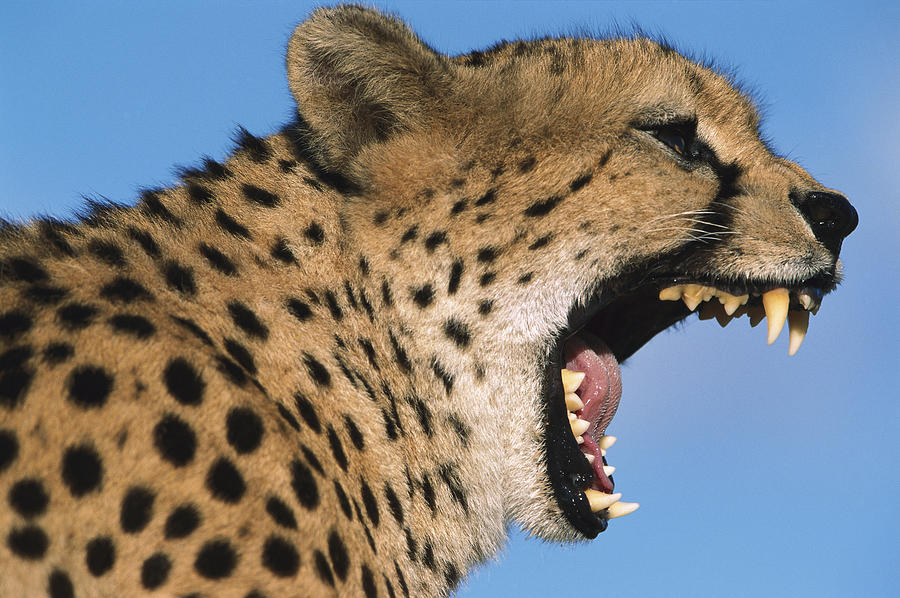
[284, 376]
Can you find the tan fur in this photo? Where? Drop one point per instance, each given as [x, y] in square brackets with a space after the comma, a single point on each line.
[415, 139]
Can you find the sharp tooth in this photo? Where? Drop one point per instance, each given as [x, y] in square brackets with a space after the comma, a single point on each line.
[572, 417]
[608, 470]
[805, 300]
[620, 509]
[579, 439]
[756, 314]
[693, 296]
[590, 458]
[571, 380]
[732, 302]
[798, 322]
[573, 402]
[579, 426]
[671, 293]
[606, 442]
[602, 452]
[707, 293]
[776, 302]
[600, 500]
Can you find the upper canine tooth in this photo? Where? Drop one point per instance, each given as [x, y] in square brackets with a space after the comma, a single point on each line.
[571, 380]
[798, 323]
[573, 402]
[600, 500]
[776, 303]
[671, 293]
[620, 509]
[606, 441]
[579, 426]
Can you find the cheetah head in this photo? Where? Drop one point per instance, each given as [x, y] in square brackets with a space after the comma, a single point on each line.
[565, 200]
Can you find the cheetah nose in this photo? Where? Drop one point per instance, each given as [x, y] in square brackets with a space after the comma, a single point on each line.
[830, 216]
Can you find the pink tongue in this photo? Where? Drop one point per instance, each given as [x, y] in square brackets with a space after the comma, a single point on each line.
[600, 392]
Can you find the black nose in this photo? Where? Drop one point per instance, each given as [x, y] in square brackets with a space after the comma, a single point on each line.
[830, 216]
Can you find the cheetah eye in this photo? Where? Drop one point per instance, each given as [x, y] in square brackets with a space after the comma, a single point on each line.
[674, 139]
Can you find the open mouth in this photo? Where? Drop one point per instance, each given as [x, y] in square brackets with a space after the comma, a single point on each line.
[582, 383]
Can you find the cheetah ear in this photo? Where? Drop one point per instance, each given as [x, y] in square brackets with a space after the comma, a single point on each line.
[360, 78]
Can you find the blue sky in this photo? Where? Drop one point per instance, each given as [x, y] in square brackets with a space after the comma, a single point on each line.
[758, 474]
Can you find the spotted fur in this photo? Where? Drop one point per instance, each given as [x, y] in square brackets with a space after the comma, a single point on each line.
[287, 373]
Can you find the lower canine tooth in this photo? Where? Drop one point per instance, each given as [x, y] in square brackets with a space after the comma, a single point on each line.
[606, 442]
[579, 426]
[798, 323]
[573, 402]
[571, 380]
[620, 509]
[600, 500]
[776, 303]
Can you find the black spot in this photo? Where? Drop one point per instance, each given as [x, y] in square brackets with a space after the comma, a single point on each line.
[45, 294]
[107, 252]
[343, 500]
[218, 260]
[356, 436]
[244, 429]
[380, 217]
[199, 194]
[410, 235]
[423, 414]
[434, 239]
[323, 569]
[15, 377]
[454, 484]
[280, 557]
[304, 485]
[299, 309]
[154, 207]
[56, 353]
[135, 325]
[443, 375]
[338, 553]
[525, 278]
[29, 542]
[333, 306]
[487, 198]
[231, 371]
[180, 278]
[145, 240]
[369, 350]
[9, 448]
[287, 166]
[540, 242]
[315, 233]
[400, 354]
[393, 503]
[288, 417]
[28, 498]
[245, 319]
[192, 327]
[24, 269]
[370, 503]
[182, 522]
[52, 232]
[428, 555]
[458, 332]
[216, 559]
[124, 290]
[101, 555]
[337, 449]
[82, 470]
[241, 354]
[423, 296]
[281, 251]
[364, 266]
[581, 254]
[461, 429]
[487, 278]
[368, 583]
[459, 206]
[307, 412]
[281, 513]
[184, 382]
[13, 324]
[137, 510]
[59, 585]
[260, 196]
[401, 579]
[232, 226]
[175, 440]
[411, 547]
[77, 315]
[225, 482]
[386, 294]
[155, 571]
[257, 149]
[451, 575]
[580, 182]
[542, 208]
[316, 370]
[485, 307]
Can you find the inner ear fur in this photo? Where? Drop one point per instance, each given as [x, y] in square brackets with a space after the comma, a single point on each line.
[359, 78]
